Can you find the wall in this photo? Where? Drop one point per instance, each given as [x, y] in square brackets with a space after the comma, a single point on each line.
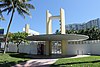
[73, 48]
[83, 47]
[78, 49]
[23, 48]
[95, 48]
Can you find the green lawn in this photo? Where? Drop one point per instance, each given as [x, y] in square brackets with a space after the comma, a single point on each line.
[92, 61]
[10, 59]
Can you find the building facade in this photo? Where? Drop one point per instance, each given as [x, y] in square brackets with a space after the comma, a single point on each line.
[89, 24]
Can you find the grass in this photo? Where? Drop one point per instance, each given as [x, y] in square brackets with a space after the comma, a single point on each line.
[10, 59]
[92, 61]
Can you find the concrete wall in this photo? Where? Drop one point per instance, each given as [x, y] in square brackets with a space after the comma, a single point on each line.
[84, 47]
[12, 48]
[78, 49]
[73, 48]
[23, 48]
[95, 48]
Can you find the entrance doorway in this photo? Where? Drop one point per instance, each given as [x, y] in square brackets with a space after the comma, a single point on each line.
[56, 47]
[40, 49]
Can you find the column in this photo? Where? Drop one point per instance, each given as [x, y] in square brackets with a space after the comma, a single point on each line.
[27, 28]
[64, 47]
[48, 23]
[48, 48]
[62, 20]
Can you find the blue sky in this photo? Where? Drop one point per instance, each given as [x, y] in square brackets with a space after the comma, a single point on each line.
[77, 11]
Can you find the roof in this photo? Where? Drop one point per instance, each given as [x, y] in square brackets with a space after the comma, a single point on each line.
[57, 37]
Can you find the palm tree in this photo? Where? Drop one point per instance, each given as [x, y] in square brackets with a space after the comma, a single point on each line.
[22, 8]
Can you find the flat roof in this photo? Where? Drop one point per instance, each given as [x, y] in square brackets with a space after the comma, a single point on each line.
[57, 37]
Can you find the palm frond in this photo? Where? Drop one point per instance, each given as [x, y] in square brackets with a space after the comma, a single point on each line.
[29, 6]
[26, 0]
[21, 5]
[20, 12]
[2, 0]
[6, 9]
[9, 10]
[3, 5]
[25, 11]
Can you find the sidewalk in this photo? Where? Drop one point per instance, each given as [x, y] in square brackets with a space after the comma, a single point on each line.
[79, 56]
[43, 62]
[37, 63]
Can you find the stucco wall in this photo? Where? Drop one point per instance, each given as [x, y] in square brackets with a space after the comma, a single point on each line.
[95, 48]
[73, 48]
[78, 49]
[23, 48]
[85, 47]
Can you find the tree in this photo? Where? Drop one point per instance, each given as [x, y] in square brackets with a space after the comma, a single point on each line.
[93, 33]
[57, 32]
[22, 8]
[17, 38]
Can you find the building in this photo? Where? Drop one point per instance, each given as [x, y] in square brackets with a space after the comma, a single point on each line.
[49, 38]
[87, 25]
[1, 37]
[30, 31]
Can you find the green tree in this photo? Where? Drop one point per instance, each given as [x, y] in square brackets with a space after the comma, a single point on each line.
[93, 33]
[22, 8]
[17, 38]
[57, 32]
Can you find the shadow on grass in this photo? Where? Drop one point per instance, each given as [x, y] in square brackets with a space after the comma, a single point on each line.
[57, 65]
[30, 56]
[20, 55]
[23, 64]
[9, 64]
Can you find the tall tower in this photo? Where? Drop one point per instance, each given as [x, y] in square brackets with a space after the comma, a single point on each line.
[27, 27]
[49, 19]
[48, 22]
[62, 21]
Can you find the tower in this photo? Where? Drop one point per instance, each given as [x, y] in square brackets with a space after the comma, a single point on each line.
[49, 19]
[27, 28]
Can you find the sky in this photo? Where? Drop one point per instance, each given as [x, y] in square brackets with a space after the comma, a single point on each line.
[76, 11]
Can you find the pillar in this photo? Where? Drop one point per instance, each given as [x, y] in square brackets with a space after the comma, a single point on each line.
[48, 47]
[62, 21]
[48, 23]
[27, 28]
[64, 47]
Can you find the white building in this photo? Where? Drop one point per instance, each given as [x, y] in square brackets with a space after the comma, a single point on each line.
[73, 48]
[30, 31]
